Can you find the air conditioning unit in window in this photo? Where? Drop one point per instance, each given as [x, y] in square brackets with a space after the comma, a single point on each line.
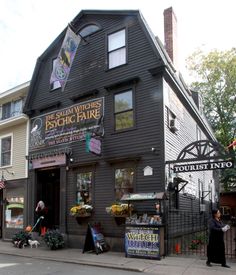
[173, 125]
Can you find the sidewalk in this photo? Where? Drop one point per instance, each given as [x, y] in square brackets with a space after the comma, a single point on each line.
[169, 265]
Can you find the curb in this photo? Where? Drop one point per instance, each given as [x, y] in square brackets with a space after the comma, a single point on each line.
[72, 261]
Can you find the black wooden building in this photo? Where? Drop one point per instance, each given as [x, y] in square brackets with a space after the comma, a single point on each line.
[124, 90]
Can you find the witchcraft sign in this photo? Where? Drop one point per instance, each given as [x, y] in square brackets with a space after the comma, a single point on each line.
[143, 242]
[65, 125]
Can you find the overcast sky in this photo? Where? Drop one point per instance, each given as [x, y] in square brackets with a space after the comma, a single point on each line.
[27, 28]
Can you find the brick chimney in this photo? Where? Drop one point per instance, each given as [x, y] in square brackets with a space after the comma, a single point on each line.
[170, 35]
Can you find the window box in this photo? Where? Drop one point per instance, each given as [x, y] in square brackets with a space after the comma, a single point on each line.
[81, 211]
[120, 210]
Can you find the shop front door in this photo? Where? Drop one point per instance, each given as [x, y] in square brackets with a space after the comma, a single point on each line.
[48, 190]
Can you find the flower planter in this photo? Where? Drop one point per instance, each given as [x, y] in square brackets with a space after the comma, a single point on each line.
[80, 218]
[81, 212]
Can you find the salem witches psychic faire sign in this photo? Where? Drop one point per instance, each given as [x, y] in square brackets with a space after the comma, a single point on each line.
[65, 125]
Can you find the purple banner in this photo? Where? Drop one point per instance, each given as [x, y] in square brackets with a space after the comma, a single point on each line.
[63, 63]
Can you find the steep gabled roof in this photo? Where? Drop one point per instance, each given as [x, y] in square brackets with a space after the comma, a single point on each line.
[165, 65]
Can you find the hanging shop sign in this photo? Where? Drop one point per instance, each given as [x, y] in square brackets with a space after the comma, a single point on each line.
[66, 125]
[95, 146]
[203, 166]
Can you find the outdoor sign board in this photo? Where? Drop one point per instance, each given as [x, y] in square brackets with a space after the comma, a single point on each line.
[142, 241]
[94, 240]
[203, 166]
[48, 161]
[65, 125]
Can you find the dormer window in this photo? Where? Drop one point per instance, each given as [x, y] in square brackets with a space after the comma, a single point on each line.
[88, 30]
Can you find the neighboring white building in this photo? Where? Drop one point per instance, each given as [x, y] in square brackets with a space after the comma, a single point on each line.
[13, 164]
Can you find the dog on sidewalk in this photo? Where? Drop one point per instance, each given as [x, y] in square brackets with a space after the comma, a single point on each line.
[34, 243]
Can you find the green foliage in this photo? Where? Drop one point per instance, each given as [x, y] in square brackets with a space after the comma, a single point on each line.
[216, 82]
[54, 239]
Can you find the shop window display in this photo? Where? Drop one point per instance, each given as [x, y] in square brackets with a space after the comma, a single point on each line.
[124, 178]
[14, 217]
[84, 185]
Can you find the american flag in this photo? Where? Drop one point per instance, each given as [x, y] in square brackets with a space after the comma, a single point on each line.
[2, 184]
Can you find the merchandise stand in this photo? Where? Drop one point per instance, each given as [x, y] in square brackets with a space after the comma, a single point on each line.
[144, 234]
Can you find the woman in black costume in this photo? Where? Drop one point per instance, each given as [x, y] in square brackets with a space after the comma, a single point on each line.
[216, 245]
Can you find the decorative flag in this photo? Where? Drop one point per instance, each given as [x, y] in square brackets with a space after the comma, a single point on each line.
[63, 63]
[2, 184]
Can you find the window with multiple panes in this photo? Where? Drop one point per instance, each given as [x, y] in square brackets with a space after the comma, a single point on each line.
[6, 149]
[84, 187]
[124, 181]
[11, 109]
[123, 111]
[116, 49]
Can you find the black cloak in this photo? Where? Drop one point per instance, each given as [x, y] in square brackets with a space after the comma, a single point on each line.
[216, 245]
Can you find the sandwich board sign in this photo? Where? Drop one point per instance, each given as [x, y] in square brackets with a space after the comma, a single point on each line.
[94, 240]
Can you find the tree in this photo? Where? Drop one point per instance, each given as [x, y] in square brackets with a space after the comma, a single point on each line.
[216, 82]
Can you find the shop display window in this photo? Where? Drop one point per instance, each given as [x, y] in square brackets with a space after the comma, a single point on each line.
[124, 181]
[14, 217]
[84, 186]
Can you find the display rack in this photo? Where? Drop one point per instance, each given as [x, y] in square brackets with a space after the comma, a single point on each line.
[144, 232]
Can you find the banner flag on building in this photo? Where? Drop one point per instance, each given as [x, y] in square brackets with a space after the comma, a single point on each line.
[2, 184]
[63, 63]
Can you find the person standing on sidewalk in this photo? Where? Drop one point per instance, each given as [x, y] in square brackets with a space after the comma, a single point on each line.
[216, 245]
[42, 211]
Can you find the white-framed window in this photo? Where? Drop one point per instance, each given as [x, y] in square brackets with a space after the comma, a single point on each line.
[11, 109]
[123, 111]
[117, 49]
[6, 150]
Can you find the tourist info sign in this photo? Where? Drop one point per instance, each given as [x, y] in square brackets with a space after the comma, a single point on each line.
[203, 166]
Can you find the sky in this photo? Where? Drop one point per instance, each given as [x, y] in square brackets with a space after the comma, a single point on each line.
[28, 27]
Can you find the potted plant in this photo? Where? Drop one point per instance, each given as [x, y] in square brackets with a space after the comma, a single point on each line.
[54, 239]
